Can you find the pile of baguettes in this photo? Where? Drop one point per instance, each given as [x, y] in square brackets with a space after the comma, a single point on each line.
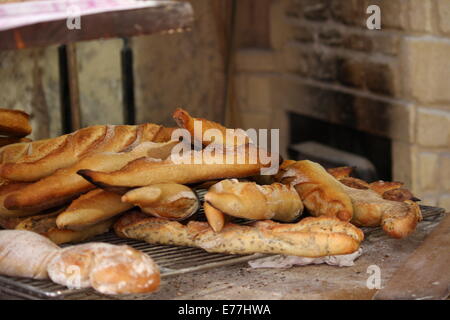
[79, 185]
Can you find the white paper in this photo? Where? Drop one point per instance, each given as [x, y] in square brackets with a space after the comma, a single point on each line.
[283, 262]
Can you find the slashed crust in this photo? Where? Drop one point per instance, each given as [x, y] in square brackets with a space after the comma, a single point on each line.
[261, 237]
[320, 192]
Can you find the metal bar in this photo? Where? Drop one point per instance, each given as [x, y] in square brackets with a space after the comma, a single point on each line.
[69, 90]
[129, 108]
[74, 91]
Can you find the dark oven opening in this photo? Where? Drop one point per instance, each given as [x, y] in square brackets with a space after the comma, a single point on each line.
[334, 145]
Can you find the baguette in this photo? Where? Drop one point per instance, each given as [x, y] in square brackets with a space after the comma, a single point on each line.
[107, 268]
[14, 123]
[5, 190]
[168, 200]
[388, 190]
[251, 201]
[185, 121]
[320, 192]
[46, 226]
[191, 167]
[25, 254]
[65, 184]
[73, 147]
[216, 218]
[317, 241]
[398, 219]
[91, 208]
[4, 141]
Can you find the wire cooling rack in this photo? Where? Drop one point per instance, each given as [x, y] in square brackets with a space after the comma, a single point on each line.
[172, 260]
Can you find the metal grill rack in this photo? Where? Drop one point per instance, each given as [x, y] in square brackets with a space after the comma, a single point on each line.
[172, 260]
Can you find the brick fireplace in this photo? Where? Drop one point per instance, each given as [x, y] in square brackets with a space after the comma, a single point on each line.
[321, 61]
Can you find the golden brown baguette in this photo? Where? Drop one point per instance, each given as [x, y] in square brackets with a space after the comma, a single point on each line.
[46, 225]
[166, 200]
[73, 147]
[191, 167]
[9, 188]
[14, 123]
[4, 141]
[312, 237]
[91, 208]
[254, 202]
[65, 184]
[388, 190]
[216, 218]
[398, 219]
[185, 121]
[320, 192]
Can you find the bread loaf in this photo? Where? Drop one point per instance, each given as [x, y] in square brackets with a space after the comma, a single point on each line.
[14, 123]
[191, 167]
[65, 184]
[65, 151]
[107, 268]
[46, 226]
[205, 128]
[251, 201]
[167, 200]
[312, 237]
[4, 141]
[25, 254]
[91, 208]
[320, 192]
[398, 219]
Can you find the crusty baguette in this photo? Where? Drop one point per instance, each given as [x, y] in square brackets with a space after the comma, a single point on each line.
[73, 147]
[4, 141]
[388, 190]
[29, 151]
[25, 254]
[46, 225]
[398, 219]
[191, 167]
[14, 123]
[7, 189]
[65, 184]
[216, 218]
[313, 238]
[60, 236]
[107, 268]
[251, 201]
[320, 192]
[185, 121]
[166, 200]
[91, 208]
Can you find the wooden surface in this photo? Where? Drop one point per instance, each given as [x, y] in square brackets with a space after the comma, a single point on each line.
[426, 273]
[164, 17]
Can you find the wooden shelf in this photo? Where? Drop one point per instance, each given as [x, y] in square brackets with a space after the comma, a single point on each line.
[99, 19]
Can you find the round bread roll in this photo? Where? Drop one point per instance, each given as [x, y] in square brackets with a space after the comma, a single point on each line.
[25, 254]
[107, 268]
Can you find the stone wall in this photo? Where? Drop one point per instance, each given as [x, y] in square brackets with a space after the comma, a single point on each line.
[171, 70]
[323, 62]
